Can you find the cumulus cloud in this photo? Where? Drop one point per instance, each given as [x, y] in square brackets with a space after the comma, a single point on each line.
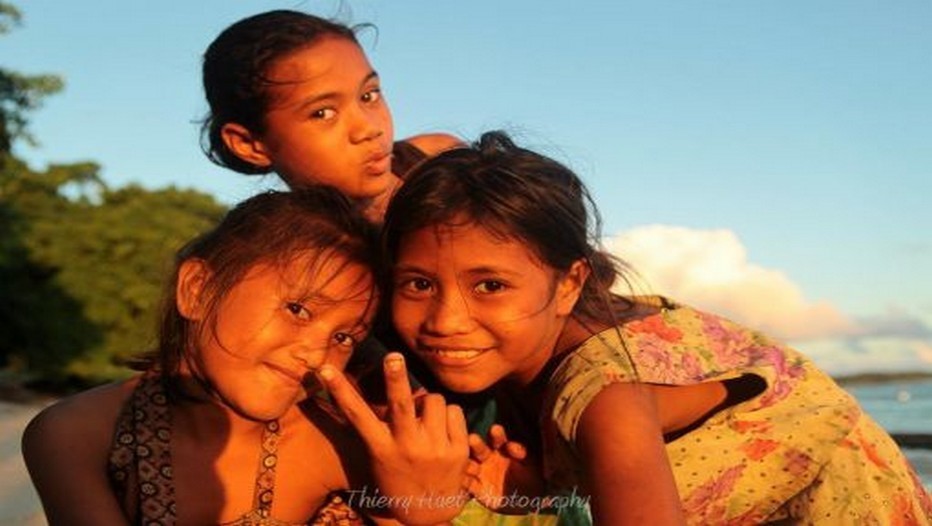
[710, 270]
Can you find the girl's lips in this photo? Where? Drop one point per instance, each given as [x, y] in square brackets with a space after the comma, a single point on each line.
[297, 378]
[379, 164]
[451, 357]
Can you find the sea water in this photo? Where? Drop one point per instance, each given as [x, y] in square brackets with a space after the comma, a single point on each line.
[901, 407]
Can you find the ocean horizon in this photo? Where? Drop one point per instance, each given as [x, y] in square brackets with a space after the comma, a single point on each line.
[901, 406]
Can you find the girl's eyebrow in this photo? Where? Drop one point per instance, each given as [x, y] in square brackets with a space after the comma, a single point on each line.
[479, 272]
[330, 95]
[483, 270]
[411, 269]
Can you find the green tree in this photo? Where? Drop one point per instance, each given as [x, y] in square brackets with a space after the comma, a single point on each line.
[19, 94]
[82, 270]
[42, 327]
[81, 265]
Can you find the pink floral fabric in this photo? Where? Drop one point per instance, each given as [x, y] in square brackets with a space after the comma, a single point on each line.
[802, 450]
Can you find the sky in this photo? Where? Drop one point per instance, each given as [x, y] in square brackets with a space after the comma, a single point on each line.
[767, 160]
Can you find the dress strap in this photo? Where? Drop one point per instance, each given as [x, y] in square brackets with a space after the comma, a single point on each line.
[265, 480]
[140, 461]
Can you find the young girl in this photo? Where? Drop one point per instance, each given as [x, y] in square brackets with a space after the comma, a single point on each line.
[294, 94]
[663, 414]
[219, 429]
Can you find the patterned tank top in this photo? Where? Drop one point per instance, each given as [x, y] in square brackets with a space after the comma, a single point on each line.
[140, 470]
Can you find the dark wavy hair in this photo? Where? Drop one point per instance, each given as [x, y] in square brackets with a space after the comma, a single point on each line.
[271, 227]
[516, 194]
[235, 69]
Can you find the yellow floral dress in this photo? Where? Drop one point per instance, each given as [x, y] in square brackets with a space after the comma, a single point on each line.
[801, 451]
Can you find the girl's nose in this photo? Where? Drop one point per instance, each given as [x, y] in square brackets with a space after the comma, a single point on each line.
[338, 357]
[311, 352]
[367, 124]
[449, 314]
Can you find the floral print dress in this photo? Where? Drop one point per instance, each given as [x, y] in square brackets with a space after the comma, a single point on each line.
[801, 451]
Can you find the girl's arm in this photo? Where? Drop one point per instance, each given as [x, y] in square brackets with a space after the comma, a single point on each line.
[627, 473]
[65, 448]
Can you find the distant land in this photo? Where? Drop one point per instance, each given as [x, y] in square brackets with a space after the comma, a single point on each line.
[883, 378]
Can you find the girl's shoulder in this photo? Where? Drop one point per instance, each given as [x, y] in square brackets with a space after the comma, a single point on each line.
[410, 152]
[433, 143]
[86, 418]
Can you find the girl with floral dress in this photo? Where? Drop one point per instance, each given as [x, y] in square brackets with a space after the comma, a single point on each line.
[659, 412]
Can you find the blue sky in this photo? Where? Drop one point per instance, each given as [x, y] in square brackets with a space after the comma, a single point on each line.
[771, 160]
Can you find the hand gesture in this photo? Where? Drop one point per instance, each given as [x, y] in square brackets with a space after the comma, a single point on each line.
[418, 457]
[499, 470]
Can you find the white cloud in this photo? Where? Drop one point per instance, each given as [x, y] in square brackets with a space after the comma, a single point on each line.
[710, 270]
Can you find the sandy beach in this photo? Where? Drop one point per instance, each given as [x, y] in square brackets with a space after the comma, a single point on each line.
[19, 504]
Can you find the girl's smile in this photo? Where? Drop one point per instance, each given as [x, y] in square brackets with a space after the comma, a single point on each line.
[476, 307]
[277, 324]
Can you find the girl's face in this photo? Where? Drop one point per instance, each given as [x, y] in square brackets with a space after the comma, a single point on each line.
[477, 308]
[275, 326]
[329, 124]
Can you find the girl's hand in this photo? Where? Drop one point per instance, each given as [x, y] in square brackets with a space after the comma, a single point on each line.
[419, 455]
[499, 470]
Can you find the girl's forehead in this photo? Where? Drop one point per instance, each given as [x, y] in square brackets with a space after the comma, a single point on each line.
[471, 241]
[310, 268]
[326, 55]
[468, 232]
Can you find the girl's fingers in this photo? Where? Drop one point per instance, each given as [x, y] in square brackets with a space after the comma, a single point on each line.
[457, 430]
[398, 391]
[516, 450]
[473, 469]
[353, 405]
[433, 417]
[478, 449]
[475, 487]
[497, 436]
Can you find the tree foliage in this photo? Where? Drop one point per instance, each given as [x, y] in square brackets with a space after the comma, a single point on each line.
[19, 94]
[82, 265]
[82, 270]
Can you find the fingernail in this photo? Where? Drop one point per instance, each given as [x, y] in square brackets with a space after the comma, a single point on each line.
[394, 363]
[326, 372]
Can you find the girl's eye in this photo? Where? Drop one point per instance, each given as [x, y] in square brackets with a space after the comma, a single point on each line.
[490, 286]
[324, 114]
[344, 340]
[298, 310]
[416, 285]
[372, 95]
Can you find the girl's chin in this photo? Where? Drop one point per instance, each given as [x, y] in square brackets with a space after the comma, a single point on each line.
[270, 410]
[465, 385]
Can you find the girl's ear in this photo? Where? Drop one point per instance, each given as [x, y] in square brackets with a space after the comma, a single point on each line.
[192, 275]
[571, 285]
[245, 145]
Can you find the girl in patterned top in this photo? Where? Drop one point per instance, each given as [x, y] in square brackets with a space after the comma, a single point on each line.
[223, 426]
[660, 413]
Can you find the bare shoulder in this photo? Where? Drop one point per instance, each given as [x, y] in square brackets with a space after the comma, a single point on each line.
[434, 143]
[84, 421]
[66, 447]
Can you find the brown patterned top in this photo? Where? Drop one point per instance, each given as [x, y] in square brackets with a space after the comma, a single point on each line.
[140, 470]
